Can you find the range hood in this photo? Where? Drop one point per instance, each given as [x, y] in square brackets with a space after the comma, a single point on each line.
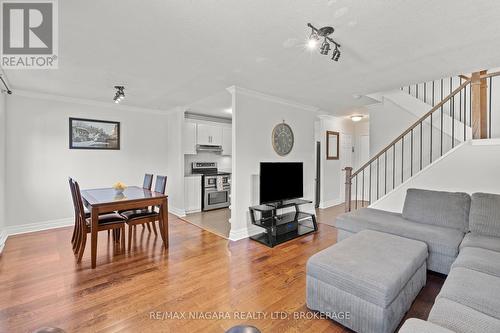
[210, 148]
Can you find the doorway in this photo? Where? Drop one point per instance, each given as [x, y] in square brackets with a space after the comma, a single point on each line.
[346, 160]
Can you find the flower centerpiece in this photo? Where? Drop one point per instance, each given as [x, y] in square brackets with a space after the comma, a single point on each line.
[119, 187]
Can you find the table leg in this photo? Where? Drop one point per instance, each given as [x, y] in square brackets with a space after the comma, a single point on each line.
[94, 215]
[164, 222]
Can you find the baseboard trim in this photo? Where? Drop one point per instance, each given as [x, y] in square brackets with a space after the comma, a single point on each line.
[33, 227]
[235, 235]
[3, 239]
[39, 226]
[329, 203]
[176, 211]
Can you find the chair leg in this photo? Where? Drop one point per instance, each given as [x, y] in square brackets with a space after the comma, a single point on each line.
[154, 228]
[122, 238]
[78, 242]
[129, 237]
[82, 248]
[149, 227]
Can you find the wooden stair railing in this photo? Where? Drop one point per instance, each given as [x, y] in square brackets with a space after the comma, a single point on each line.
[389, 153]
[434, 133]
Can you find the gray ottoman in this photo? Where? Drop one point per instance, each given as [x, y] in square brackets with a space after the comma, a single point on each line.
[368, 281]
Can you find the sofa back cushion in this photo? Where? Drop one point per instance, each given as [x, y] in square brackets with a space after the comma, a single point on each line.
[485, 214]
[445, 209]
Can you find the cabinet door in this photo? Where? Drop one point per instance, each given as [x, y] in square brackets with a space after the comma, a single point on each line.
[204, 134]
[192, 194]
[189, 138]
[209, 134]
[216, 135]
[227, 140]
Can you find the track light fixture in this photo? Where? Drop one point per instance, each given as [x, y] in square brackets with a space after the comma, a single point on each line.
[324, 32]
[119, 95]
[336, 54]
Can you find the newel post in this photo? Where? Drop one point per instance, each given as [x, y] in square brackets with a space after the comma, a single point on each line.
[348, 183]
[479, 102]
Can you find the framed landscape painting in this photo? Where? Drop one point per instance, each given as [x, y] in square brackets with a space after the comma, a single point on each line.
[94, 134]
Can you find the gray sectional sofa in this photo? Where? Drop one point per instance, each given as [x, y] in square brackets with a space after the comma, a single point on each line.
[462, 233]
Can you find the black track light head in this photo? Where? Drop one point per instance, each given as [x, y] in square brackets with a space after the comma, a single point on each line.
[325, 47]
[120, 94]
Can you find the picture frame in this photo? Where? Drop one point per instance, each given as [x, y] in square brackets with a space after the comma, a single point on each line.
[94, 134]
[332, 145]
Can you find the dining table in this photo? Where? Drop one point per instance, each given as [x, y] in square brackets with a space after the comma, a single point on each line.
[107, 200]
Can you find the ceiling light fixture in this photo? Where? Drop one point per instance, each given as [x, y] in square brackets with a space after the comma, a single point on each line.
[356, 118]
[119, 95]
[324, 32]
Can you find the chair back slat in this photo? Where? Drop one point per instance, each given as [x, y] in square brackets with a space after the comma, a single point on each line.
[79, 202]
[161, 184]
[148, 181]
[71, 189]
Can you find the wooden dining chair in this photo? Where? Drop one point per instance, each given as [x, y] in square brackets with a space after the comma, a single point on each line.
[148, 181]
[76, 229]
[108, 221]
[143, 216]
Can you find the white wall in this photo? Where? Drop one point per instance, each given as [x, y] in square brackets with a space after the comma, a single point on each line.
[175, 162]
[254, 116]
[3, 234]
[39, 160]
[471, 167]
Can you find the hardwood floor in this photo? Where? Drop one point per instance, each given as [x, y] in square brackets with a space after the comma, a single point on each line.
[41, 284]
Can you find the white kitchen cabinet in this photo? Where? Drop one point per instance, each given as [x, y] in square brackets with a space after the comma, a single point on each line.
[189, 137]
[227, 141]
[209, 134]
[192, 193]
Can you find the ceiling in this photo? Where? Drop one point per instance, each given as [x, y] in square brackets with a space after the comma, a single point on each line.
[216, 105]
[173, 53]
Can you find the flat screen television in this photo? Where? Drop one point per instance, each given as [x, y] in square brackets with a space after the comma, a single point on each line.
[281, 181]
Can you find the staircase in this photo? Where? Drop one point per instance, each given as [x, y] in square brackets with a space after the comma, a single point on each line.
[459, 109]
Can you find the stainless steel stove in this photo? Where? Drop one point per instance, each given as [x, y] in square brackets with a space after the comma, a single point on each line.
[215, 185]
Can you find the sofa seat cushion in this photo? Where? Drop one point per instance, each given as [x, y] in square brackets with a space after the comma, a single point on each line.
[481, 260]
[414, 325]
[461, 318]
[474, 289]
[439, 239]
[445, 209]
[485, 214]
[484, 242]
[371, 265]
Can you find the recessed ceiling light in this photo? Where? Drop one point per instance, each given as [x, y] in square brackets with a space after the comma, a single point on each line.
[356, 118]
[229, 111]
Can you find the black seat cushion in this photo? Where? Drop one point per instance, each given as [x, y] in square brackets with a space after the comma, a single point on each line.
[138, 213]
[109, 219]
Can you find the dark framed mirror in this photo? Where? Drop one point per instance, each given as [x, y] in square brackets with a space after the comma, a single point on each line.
[332, 145]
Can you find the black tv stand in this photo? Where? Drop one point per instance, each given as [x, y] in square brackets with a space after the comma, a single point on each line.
[282, 227]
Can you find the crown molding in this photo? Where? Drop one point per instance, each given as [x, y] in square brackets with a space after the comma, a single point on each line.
[88, 102]
[261, 95]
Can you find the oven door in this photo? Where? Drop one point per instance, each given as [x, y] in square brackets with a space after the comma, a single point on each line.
[214, 199]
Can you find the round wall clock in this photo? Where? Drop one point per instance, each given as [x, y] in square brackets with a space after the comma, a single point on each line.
[282, 139]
